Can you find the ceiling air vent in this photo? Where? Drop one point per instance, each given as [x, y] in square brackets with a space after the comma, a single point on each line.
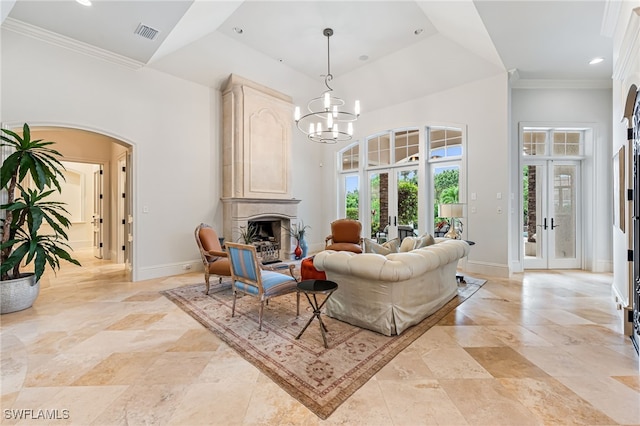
[146, 32]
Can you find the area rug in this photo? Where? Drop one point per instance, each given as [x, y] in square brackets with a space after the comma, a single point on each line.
[319, 378]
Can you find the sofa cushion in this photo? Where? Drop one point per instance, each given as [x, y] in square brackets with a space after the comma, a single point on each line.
[391, 246]
[424, 240]
[408, 244]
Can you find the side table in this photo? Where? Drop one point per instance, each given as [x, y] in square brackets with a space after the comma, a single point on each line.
[313, 288]
[460, 277]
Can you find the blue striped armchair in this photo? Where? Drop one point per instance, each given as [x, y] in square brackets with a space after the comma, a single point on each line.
[247, 276]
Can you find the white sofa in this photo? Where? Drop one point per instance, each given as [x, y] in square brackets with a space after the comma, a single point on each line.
[388, 294]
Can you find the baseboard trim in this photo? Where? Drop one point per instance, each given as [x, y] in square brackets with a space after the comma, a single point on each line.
[486, 268]
[167, 270]
[603, 266]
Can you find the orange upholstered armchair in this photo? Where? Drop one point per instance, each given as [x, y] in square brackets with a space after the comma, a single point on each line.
[213, 258]
[345, 236]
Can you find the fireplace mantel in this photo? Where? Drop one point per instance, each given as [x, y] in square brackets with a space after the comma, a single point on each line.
[239, 211]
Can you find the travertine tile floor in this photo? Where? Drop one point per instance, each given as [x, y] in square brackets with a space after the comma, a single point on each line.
[541, 348]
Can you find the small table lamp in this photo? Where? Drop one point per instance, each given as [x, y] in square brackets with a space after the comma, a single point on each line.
[453, 211]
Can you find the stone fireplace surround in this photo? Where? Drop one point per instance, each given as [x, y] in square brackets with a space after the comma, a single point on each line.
[256, 159]
[238, 212]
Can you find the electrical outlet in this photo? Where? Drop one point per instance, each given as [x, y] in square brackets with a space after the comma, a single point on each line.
[186, 267]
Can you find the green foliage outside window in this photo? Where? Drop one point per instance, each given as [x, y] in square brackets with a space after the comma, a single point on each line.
[408, 203]
[446, 190]
[353, 204]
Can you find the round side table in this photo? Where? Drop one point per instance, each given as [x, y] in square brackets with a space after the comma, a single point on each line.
[313, 288]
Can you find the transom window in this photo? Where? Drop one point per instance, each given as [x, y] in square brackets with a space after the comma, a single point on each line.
[552, 142]
[394, 147]
[350, 159]
[445, 142]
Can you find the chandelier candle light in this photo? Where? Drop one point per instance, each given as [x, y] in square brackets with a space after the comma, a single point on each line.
[326, 122]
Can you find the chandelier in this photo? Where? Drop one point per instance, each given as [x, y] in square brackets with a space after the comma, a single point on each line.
[326, 121]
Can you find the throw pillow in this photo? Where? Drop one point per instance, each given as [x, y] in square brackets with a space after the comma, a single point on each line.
[370, 246]
[424, 241]
[408, 244]
[393, 245]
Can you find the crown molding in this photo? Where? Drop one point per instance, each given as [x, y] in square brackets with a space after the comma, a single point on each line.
[610, 17]
[629, 47]
[50, 37]
[561, 84]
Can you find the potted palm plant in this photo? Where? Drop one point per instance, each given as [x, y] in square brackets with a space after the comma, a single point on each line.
[26, 209]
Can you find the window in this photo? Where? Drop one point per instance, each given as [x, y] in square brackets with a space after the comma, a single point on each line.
[379, 150]
[350, 159]
[350, 182]
[552, 142]
[388, 189]
[567, 142]
[534, 142]
[352, 196]
[407, 145]
[445, 142]
[445, 163]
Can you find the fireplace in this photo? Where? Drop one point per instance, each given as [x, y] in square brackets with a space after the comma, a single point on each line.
[268, 236]
[273, 218]
[256, 165]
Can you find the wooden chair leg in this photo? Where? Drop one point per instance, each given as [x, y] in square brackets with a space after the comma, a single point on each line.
[260, 316]
[206, 279]
[233, 307]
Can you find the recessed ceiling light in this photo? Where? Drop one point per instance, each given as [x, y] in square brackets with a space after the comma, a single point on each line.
[84, 2]
[418, 31]
[238, 30]
[596, 61]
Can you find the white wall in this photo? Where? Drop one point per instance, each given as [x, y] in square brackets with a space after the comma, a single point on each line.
[592, 108]
[167, 120]
[482, 107]
[626, 74]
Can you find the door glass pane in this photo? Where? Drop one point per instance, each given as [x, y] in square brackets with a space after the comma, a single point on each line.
[567, 142]
[532, 179]
[379, 150]
[379, 190]
[406, 146]
[352, 197]
[350, 158]
[407, 203]
[534, 142]
[446, 180]
[564, 211]
[445, 142]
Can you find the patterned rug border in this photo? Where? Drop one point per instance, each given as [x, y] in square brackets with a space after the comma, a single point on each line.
[323, 411]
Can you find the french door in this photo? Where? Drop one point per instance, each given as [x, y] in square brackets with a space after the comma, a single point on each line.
[97, 219]
[393, 202]
[551, 212]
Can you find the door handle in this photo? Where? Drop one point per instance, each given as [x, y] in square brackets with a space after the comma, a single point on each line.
[552, 225]
[395, 223]
[544, 224]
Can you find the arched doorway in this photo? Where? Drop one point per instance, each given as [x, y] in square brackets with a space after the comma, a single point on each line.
[108, 183]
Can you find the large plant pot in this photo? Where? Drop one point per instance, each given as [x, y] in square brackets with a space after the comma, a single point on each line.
[18, 294]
